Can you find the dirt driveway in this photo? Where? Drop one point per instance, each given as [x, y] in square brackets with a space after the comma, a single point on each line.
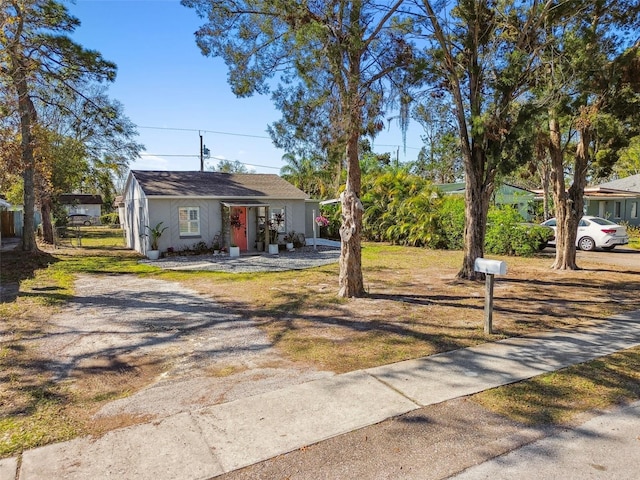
[203, 354]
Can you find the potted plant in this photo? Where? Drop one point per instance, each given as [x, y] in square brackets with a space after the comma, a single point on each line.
[234, 250]
[274, 231]
[154, 234]
[289, 239]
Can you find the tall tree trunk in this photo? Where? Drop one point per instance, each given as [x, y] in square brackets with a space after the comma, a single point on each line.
[350, 279]
[477, 195]
[28, 118]
[567, 222]
[46, 206]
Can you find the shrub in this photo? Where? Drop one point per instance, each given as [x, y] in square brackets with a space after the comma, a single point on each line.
[110, 219]
[508, 234]
[451, 213]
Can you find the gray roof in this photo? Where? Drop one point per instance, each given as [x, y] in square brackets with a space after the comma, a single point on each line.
[630, 184]
[216, 184]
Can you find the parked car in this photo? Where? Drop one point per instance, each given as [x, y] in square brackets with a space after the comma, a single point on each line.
[595, 232]
[77, 219]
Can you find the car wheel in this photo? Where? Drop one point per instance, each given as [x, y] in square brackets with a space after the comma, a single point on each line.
[587, 244]
[609, 248]
[86, 223]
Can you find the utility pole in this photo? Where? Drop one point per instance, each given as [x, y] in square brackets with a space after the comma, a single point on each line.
[201, 155]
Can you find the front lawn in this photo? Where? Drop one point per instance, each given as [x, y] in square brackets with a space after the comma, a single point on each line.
[414, 307]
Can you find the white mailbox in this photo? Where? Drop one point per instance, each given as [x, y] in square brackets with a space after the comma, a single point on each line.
[493, 267]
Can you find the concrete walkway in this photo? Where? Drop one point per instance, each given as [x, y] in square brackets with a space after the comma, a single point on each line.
[208, 442]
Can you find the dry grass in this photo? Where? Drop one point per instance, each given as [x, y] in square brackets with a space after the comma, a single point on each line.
[414, 307]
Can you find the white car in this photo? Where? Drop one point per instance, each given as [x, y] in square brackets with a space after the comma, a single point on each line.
[595, 232]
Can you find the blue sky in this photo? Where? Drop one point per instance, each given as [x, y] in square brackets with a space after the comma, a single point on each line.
[173, 93]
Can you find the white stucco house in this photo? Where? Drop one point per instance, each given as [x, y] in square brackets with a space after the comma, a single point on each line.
[200, 206]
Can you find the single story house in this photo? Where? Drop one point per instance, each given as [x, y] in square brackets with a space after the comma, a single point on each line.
[618, 200]
[505, 194]
[80, 203]
[195, 207]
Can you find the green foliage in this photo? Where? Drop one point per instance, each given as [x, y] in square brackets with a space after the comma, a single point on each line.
[332, 213]
[507, 234]
[452, 222]
[404, 209]
[110, 219]
[231, 166]
[629, 163]
[155, 233]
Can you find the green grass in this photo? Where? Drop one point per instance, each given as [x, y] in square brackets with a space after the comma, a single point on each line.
[634, 236]
[44, 424]
[93, 237]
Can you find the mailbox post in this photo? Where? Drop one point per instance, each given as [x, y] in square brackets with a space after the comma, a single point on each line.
[489, 268]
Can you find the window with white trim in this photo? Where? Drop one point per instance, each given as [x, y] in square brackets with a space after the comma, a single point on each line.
[617, 209]
[189, 220]
[634, 209]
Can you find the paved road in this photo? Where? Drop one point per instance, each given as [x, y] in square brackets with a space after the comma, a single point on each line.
[620, 257]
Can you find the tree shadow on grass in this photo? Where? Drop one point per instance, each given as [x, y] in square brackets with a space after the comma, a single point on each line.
[17, 266]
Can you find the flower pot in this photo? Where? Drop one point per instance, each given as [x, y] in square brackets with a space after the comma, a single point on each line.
[234, 251]
[153, 254]
[216, 252]
[273, 248]
[290, 246]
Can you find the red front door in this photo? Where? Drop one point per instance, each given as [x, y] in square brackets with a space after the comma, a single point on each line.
[239, 227]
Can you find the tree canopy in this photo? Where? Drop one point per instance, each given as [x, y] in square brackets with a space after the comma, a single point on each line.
[66, 132]
[38, 64]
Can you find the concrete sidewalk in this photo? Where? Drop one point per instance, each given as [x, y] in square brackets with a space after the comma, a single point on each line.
[208, 442]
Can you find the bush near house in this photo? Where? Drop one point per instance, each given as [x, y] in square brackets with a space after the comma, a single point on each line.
[438, 223]
[110, 219]
[507, 234]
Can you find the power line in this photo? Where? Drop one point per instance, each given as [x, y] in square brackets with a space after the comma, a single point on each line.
[396, 146]
[165, 155]
[217, 132]
[206, 131]
[198, 156]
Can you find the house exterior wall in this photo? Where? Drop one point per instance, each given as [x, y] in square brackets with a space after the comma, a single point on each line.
[136, 216]
[141, 211]
[93, 210]
[521, 199]
[606, 208]
[167, 211]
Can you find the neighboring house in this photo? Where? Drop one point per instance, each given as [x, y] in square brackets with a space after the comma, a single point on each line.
[197, 206]
[119, 204]
[75, 203]
[519, 198]
[618, 201]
